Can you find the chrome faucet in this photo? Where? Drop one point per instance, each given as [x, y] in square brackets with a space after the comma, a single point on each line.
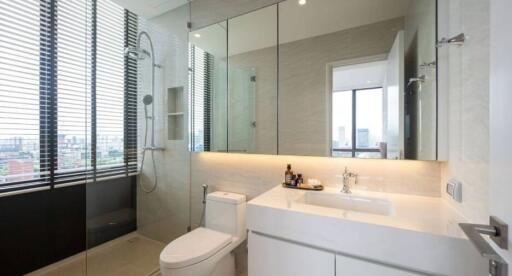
[347, 176]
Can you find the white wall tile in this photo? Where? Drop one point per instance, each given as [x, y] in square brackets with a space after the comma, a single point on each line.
[469, 108]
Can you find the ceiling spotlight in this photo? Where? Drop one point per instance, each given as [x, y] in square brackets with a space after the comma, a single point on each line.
[302, 2]
[197, 35]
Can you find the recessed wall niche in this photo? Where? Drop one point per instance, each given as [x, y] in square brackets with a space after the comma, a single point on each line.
[175, 116]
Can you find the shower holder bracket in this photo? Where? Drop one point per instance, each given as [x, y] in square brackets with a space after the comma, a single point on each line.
[458, 40]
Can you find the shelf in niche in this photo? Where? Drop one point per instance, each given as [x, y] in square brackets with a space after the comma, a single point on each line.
[175, 114]
[175, 118]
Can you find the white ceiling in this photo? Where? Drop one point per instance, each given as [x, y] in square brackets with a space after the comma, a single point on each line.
[359, 76]
[213, 39]
[257, 30]
[319, 17]
[150, 8]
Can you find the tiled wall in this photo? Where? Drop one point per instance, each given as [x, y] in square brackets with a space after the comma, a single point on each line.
[255, 174]
[164, 214]
[469, 108]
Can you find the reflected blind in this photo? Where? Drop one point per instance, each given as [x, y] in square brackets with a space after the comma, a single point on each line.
[200, 83]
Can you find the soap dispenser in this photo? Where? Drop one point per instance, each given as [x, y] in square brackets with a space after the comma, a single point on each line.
[288, 175]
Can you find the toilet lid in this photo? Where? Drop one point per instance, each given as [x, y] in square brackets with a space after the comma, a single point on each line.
[193, 248]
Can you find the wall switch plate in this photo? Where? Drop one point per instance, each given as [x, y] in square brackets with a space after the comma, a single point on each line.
[454, 189]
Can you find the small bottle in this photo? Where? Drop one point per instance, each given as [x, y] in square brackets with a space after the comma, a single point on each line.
[294, 180]
[288, 175]
[299, 180]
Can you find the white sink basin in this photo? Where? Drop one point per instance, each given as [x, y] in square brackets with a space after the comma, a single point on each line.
[349, 202]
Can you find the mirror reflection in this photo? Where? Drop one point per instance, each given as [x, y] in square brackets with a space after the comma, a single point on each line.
[208, 88]
[344, 71]
[252, 82]
[351, 78]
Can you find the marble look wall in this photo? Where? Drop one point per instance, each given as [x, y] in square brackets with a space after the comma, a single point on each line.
[255, 174]
[303, 99]
[164, 214]
[468, 115]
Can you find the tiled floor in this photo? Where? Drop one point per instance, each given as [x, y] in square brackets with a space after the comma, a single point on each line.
[130, 255]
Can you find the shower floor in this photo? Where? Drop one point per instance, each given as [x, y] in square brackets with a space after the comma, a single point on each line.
[129, 255]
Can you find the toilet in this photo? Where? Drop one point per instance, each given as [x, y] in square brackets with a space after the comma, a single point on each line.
[206, 251]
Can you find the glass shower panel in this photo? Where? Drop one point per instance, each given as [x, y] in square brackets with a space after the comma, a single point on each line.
[252, 82]
[242, 123]
[110, 196]
[138, 193]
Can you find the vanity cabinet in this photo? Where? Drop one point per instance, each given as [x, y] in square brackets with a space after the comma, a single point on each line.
[347, 266]
[275, 257]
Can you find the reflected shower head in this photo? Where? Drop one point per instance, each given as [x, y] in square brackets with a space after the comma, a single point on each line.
[136, 53]
[147, 100]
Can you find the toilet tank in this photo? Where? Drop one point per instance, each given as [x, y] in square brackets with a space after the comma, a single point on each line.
[225, 212]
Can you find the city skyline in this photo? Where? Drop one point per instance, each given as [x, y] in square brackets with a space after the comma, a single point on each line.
[20, 156]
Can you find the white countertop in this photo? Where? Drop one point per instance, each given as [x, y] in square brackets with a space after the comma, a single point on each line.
[417, 213]
[420, 234]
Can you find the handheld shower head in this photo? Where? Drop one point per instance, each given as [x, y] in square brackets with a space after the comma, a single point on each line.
[136, 53]
[147, 100]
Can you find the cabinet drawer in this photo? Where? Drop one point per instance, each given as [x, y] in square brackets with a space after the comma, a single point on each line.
[346, 266]
[274, 257]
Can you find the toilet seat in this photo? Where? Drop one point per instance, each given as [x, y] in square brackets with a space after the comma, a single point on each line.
[193, 248]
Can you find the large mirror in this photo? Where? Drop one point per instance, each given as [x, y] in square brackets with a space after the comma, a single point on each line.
[341, 78]
[233, 87]
[357, 78]
[252, 82]
[208, 88]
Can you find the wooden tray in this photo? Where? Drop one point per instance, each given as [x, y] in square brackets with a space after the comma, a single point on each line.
[315, 188]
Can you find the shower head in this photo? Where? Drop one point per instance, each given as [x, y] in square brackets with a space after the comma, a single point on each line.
[147, 100]
[136, 53]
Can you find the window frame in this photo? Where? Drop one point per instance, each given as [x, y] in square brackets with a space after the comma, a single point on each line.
[354, 149]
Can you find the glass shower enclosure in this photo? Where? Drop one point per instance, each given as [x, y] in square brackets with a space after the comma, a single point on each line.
[132, 216]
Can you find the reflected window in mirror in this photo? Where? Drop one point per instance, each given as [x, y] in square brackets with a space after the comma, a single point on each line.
[369, 123]
[388, 46]
[359, 110]
[342, 123]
